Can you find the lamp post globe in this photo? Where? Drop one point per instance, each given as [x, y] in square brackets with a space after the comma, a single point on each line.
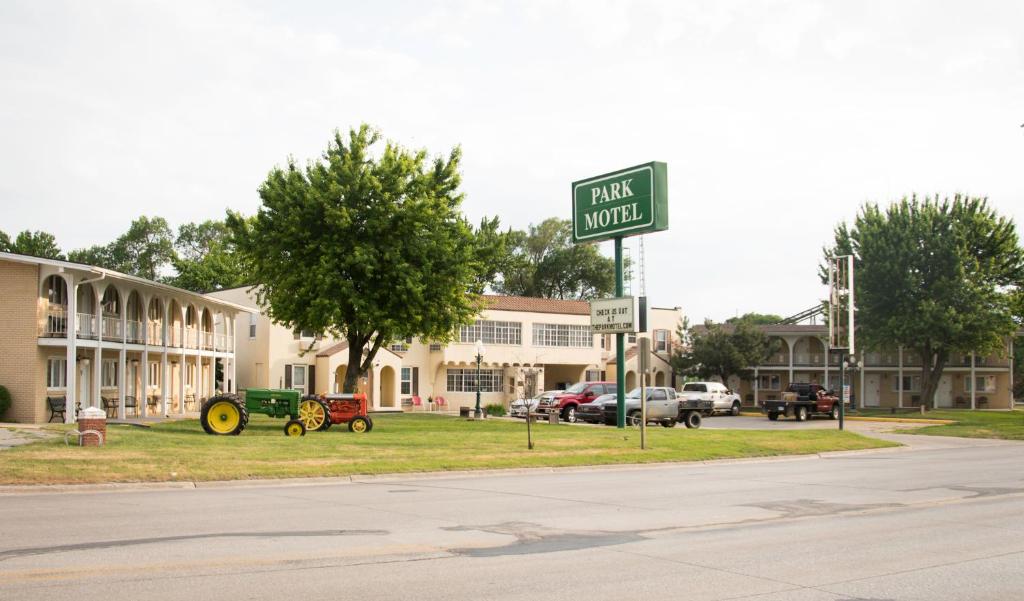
[479, 358]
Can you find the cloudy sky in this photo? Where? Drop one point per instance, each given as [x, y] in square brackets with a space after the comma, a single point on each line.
[777, 119]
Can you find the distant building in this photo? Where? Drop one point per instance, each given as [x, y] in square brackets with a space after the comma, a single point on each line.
[530, 345]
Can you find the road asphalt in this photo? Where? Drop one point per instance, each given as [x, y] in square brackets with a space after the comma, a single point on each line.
[936, 520]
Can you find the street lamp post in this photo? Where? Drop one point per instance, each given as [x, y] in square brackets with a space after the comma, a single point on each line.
[479, 358]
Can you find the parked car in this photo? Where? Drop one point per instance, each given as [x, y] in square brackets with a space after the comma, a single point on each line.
[568, 401]
[592, 412]
[519, 407]
[723, 399]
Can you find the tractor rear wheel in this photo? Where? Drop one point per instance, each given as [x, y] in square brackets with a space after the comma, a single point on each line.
[295, 427]
[224, 415]
[312, 414]
[360, 425]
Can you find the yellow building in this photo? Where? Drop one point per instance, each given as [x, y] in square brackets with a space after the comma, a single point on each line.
[82, 336]
[530, 345]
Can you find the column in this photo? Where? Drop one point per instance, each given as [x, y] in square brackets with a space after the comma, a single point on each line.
[826, 381]
[757, 386]
[121, 374]
[143, 395]
[790, 346]
[165, 375]
[974, 383]
[899, 376]
[181, 379]
[234, 380]
[860, 395]
[97, 373]
[70, 390]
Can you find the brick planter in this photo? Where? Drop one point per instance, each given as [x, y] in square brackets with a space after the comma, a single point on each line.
[92, 419]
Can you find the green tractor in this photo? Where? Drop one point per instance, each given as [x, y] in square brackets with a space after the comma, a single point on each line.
[228, 414]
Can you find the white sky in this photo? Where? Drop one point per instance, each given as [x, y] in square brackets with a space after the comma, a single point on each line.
[777, 119]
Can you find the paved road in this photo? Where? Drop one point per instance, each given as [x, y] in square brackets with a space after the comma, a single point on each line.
[938, 521]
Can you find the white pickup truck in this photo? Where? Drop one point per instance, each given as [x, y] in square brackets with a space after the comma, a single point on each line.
[724, 400]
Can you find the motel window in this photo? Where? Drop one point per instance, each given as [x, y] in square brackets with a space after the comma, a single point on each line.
[56, 373]
[594, 375]
[770, 382]
[661, 341]
[252, 326]
[560, 334]
[984, 383]
[154, 374]
[304, 335]
[631, 338]
[410, 380]
[401, 347]
[298, 377]
[190, 376]
[465, 380]
[910, 384]
[109, 374]
[492, 332]
[434, 347]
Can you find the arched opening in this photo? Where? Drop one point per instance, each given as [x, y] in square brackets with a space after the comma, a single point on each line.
[206, 330]
[220, 332]
[111, 305]
[85, 306]
[175, 336]
[133, 317]
[659, 378]
[155, 322]
[56, 291]
[387, 386]
[339, 378]
[191, 327]
[630, 380]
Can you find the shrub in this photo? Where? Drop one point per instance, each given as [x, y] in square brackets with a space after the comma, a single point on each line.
[495, 410]
[5, 400]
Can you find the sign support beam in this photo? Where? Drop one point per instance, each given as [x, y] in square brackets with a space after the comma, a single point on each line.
[620, 345]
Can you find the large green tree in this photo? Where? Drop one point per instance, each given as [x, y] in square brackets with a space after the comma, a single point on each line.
[761, 319]
[206, 258]
[368, 246]
[144, 250]
[721, 350]
[542, 261]
[35, 244]
[939, 276]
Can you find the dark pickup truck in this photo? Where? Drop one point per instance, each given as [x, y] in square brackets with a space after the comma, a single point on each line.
[801, 401]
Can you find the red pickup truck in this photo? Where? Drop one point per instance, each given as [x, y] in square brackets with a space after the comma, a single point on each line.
[568, 401]
[802, 400]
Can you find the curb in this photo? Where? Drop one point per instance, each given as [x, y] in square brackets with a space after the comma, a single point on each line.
[36, 489]
[858, 418]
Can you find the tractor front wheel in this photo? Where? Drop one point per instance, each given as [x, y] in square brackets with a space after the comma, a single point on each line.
[313, 414]
[294, 427]
[224, 415]
[360, 425]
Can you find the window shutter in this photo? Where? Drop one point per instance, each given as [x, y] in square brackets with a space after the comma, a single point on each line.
[287, 376]
[311, 379]
[416, 381]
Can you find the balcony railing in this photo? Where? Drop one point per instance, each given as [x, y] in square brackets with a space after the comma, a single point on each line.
[56, 323]
[174, 337]
[777, 359]
[85, 325]
[134, 331]
[808, 359]
[220, 342]
[191, 338]
[207, 340]
[155, 333]
[112, 328]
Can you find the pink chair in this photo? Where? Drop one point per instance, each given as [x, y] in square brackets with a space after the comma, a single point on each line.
[441, 403]
[417, 403]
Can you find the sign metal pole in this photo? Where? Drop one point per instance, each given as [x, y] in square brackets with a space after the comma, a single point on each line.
[620, 345]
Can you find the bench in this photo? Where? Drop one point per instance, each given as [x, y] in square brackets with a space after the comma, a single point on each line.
[58, 406]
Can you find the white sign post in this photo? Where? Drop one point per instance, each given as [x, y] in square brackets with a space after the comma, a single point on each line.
[614, 315]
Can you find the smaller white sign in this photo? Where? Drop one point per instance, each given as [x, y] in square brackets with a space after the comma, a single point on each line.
[614, 315]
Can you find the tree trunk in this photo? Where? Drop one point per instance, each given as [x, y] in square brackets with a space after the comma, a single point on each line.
[932, 365]
[354, 367]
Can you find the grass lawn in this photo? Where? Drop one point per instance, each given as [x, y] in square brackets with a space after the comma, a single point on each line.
[1008, 425]
[398, 443]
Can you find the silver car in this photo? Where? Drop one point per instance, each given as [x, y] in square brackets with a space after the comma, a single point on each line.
[519, 407]
[662, 407]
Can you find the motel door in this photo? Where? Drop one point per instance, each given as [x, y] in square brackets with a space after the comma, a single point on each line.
[871, 392]
[83, 384]
[944, 392]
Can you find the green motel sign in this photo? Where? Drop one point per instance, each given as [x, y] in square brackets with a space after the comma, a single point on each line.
[622, 203]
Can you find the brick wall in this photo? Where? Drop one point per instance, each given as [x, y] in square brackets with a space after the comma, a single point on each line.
[20, 369]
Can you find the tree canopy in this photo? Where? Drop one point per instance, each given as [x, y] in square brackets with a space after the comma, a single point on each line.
[370, 248]
[938, 276]
[35, 244]
[542, 261]
[206, 259]
[760, 319]
[721, 350]
[144, 250]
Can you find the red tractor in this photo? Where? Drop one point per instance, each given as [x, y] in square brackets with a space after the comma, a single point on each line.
[345, 408]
